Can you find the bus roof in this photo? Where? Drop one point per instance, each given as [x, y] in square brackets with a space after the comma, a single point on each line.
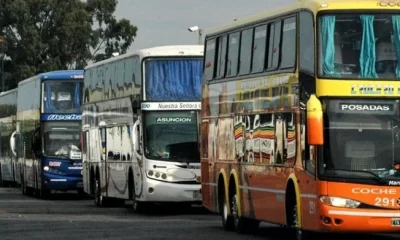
[160, 51]
[313, 5]
[55, 75]
[8, 92]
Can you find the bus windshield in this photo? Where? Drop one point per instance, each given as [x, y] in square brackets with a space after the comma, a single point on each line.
[359, 46]
[173, 79]
[172, 136]
[362, 142]
[62, 96]
[62, 139]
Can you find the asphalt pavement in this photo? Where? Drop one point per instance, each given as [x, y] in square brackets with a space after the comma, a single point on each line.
[66, 216]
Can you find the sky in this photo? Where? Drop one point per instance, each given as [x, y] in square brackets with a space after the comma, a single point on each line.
[166, 22]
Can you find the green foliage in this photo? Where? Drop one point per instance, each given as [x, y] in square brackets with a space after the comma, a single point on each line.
[46, 35]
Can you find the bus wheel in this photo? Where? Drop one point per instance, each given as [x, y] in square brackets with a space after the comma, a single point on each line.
[227, 220]
[23, 188]
[81, 193]
[1, 177]
[300, 234]
[45, 193]
[138, 207]
[242, 224]
[98, 199]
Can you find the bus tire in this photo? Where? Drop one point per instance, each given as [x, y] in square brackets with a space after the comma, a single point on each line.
[98, 199]
[292, 216]
[45, 193]
[241, 224]
[1, 177]
[137, 206]
[23, 188]
[130, 185]
[227, 220]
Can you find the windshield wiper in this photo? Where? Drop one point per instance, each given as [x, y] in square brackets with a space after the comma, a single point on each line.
[336, 173]
[184, 159]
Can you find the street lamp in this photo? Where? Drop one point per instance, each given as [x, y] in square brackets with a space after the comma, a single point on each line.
[199, 30]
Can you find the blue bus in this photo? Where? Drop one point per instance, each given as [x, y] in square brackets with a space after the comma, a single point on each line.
[46, 142]
[8, 114]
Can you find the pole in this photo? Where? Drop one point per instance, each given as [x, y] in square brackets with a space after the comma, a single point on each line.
[200, 36]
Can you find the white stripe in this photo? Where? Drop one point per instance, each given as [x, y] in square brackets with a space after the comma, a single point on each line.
[75, 168]
[210, 184]
[269, 190]
[262, 189]
[58, 180]
[364, 214]
[305, 195]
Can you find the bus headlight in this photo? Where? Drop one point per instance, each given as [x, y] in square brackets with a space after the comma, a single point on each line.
[159, 175]
[53, 170]
[339, 202]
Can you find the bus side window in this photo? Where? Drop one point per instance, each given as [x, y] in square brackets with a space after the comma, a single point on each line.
[289, 137]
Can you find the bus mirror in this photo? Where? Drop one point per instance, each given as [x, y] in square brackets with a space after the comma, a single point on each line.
[135, 137]
[135, 106]
[13, 144]
[315, 127]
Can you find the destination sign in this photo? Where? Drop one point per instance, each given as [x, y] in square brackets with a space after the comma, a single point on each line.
[366, 107]
[146, 106]
[375, 89]
[61, 117]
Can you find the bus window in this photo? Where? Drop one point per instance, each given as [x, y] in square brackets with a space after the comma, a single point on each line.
[245, 51]
[209, 60]
[233, 54]
[260, 41]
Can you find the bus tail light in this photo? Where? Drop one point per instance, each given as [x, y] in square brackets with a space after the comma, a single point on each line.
[339, 202]
[315, 125]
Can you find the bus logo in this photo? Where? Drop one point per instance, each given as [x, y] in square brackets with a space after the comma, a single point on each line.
[64, 117]
[54, 164]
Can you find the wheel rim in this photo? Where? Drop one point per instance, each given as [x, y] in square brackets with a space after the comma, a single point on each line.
[225, 211]
[234, 209]
[97, 193]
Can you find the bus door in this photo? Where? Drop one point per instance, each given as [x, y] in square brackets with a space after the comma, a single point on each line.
[85, 140]
[103, 160]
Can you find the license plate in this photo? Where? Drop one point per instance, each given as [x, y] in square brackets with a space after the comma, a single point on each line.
[79, 184]
[396, 222]
[196, 195]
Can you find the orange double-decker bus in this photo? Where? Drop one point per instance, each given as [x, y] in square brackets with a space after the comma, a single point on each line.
[301, 116]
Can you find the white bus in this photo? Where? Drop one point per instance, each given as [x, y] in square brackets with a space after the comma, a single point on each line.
[140, 127]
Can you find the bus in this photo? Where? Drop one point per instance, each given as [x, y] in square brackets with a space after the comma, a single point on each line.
[47, 137]
[300, 118]
[8, 114]
[140, 127]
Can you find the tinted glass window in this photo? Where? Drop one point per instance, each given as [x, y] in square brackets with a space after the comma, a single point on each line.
[245, 51]
[288, 53]
[273, 50]
[260, 39]
[221, 56]
[209, 60]
[233, 54]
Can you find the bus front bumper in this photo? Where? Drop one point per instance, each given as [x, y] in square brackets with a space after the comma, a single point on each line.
[163, 192]
[60, 182]
[334, 219]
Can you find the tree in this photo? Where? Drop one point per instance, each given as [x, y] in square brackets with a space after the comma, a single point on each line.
[46, 35]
